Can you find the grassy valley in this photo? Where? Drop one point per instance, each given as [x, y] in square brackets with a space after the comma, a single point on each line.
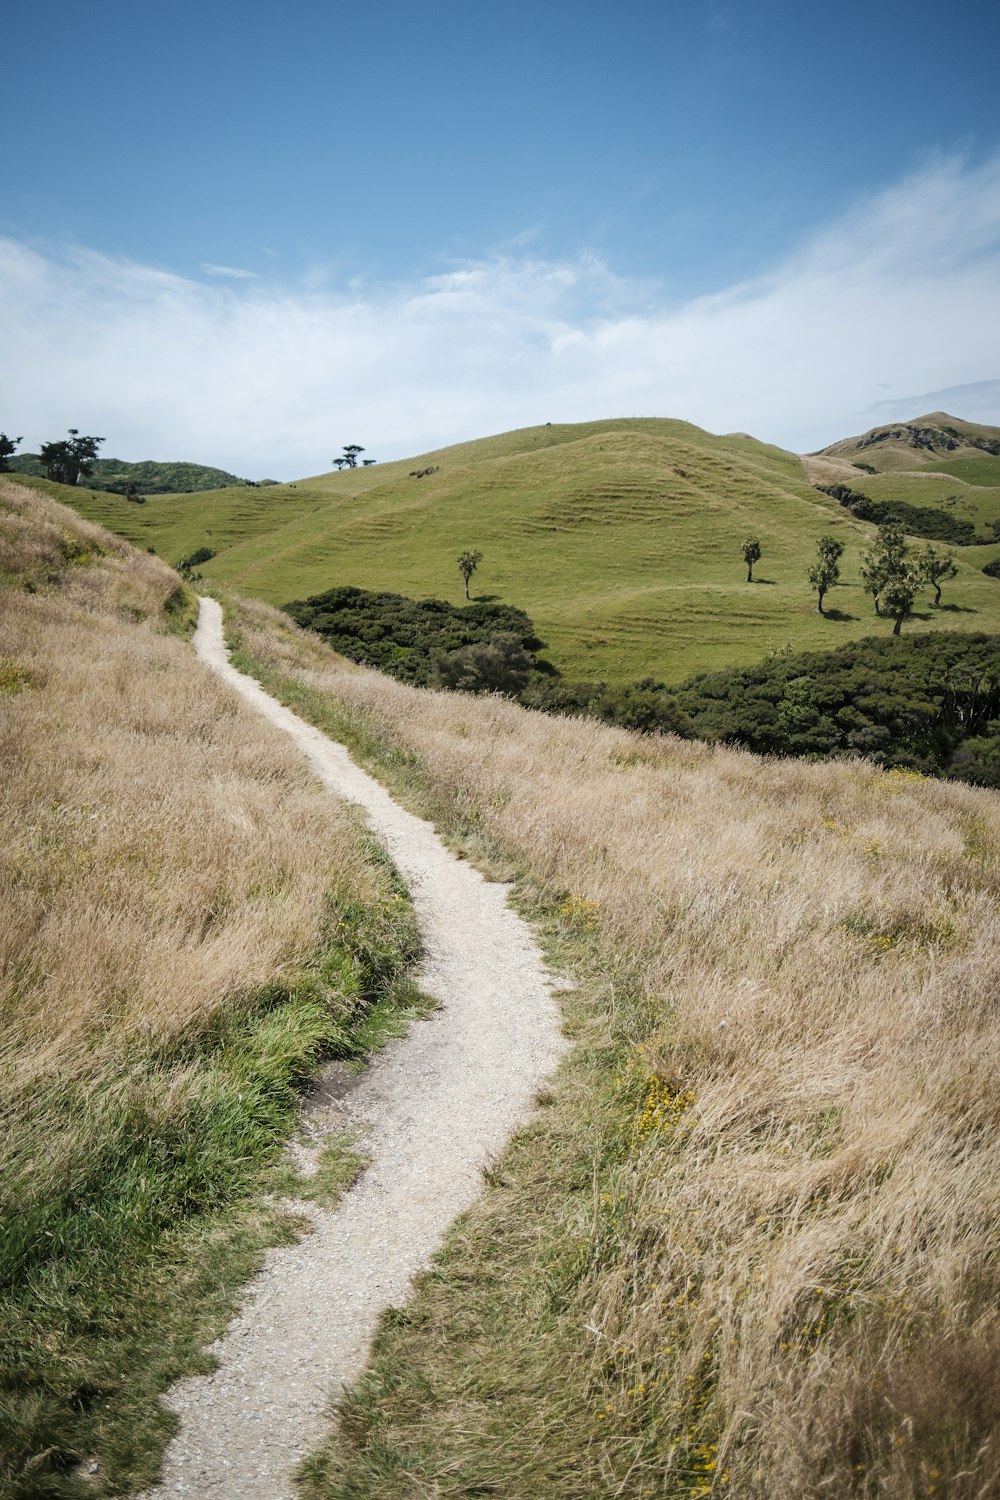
[620, 539]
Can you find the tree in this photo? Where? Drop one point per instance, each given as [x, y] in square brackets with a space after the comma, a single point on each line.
[351, 451]
[66, 461]
[366, 463]
[751, 554]
[825, 571]
[936, 568]
[884, 561]
[899, 593]
[340, 463]
[467, 565]
[8, 447]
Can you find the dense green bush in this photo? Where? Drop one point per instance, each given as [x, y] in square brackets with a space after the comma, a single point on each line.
[646, 705]
[992, 569]
[929, 702]
[916, 520]
[474, 648]
[412, 639]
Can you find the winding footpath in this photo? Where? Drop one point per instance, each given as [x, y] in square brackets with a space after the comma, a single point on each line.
[434, 1107]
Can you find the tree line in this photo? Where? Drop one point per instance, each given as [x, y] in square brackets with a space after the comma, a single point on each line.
[890, 572]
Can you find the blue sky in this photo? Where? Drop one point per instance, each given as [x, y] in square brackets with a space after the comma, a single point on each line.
[589, 176]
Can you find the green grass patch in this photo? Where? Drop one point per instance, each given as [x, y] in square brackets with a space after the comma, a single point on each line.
[124, 1256]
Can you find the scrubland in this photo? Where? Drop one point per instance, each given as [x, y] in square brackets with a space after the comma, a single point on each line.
[749, 1244]
[187, 922]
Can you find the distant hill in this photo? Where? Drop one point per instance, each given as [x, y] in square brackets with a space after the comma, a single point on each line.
[620, 539]
[152, 477]
[936, 443]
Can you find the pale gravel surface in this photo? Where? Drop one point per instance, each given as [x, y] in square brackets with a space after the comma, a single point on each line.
[434, 1109]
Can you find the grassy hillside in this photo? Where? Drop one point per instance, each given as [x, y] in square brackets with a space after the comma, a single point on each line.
[620, 539]
[187, 922]
[748, 1245]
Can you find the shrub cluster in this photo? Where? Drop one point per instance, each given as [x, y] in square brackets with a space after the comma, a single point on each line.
[645, 705]
[928, 702]
[916, 520]
[416, 639]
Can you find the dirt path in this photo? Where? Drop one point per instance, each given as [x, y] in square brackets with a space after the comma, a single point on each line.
[436, 1107]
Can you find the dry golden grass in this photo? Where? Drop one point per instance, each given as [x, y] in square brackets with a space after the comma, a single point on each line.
[165, 849]
[790, 1282]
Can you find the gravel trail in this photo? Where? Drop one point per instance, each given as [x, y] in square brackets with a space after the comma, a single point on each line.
[434, 1108]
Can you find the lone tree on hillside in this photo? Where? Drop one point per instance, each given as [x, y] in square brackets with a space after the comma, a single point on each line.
[825, 571]
[936, 568]
[751, 554]
[65, 461]
[467, 565]
[349, 458]
[8, 447]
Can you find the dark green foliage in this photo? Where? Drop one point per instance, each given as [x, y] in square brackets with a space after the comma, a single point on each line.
[186, 565]
[475, 648]
[929, 702]
[916, 520]
[8, 447]
[992, 569]
[151, 478]
[501, 665]
[70, 459]
[408, 638]
[645, 705]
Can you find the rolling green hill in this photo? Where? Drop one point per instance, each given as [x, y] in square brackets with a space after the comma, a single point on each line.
[621, 540]
[151, 476]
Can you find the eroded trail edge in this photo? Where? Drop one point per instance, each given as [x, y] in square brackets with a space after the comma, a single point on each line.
[435, 1107]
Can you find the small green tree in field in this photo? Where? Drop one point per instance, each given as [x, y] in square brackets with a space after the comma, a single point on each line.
[899, 593]
[467, 565]
[884, 561]
[936, 568]
[825, 571]
[8, 447]
[751, 554]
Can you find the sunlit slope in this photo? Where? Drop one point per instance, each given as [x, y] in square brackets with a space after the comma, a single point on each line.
[620, 538]
[936, 443]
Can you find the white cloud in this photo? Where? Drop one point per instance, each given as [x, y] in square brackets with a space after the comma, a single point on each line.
[900, 295]
[236, 272]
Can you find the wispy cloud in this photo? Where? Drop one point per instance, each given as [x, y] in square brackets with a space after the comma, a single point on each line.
[898, 296]
[979, 401]
[236, 272]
